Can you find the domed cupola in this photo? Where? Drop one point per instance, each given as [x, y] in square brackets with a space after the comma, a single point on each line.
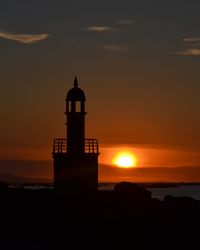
[75, 100]
[75, 94]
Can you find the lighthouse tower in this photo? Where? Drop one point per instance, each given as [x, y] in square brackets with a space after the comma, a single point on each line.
[75, 158]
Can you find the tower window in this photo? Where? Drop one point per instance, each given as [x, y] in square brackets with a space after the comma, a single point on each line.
[78, 106]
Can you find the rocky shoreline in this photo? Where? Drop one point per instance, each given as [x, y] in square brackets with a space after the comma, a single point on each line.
[127, 216]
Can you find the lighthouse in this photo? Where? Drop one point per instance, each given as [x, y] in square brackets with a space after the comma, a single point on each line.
[75, 157]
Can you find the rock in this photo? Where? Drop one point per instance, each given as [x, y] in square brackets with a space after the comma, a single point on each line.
[182, 209]
[132, 190]
[3, 186]
[180, 202]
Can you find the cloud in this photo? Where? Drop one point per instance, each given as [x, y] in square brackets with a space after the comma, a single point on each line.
[100, 29]
[24, 38]
[126, 22]
[191, 40]
[192, 48]
[115, 47]
[109, 28]
[189, 52]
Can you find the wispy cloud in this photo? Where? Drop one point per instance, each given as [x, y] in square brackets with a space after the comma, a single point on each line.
[115, 47]
[189, 52]
[126, 22]
[24, 38]
[114, 28]
[100, 29]
[192, 47]
[191, 39]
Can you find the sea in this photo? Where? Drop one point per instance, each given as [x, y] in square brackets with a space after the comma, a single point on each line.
[157, 191]
[182, 190]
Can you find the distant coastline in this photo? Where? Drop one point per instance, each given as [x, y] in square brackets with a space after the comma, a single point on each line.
[21, 181]
[100, 185]
[156, 184]
[158, 190]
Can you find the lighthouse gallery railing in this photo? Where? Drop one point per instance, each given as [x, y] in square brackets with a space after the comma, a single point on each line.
[90, 146]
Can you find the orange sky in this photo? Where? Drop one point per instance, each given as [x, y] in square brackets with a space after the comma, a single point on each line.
[154, 164]
[137, 61]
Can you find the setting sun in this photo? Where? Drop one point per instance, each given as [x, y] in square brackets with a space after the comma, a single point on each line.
[125, 160]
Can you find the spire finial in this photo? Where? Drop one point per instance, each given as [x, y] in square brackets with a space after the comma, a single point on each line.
[75, 82]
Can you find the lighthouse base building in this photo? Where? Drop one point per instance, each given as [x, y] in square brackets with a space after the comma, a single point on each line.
[75, 158]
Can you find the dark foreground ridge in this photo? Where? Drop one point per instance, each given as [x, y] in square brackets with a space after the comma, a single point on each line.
[127, 217]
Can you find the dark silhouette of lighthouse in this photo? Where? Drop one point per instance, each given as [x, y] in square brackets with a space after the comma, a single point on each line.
[75, 158]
